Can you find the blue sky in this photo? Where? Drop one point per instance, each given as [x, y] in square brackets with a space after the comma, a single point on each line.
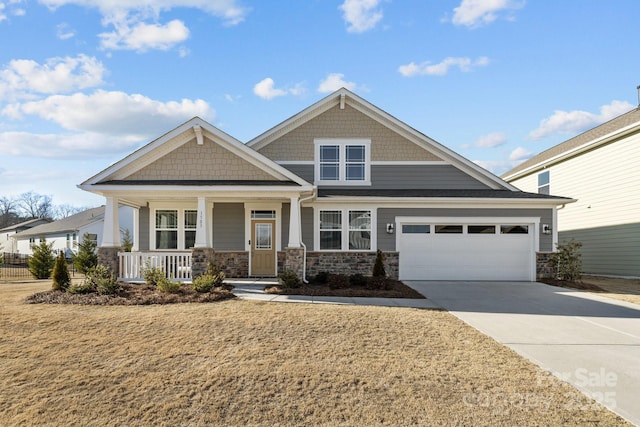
[85, 82]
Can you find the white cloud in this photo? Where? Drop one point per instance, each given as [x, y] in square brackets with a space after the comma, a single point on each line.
[86, 145]
[11, 8]
[142, 37]
[136, 23]
[114, 113]
[492, 140]
[361, 15]
[64, 32]
[335, 81]
[519, 154]
[465, 65]
[476, 13]
[577, 121]
[265, 89]
[24, 77]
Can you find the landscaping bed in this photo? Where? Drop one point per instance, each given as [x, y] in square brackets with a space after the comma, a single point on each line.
[133, 294]
[337, 285]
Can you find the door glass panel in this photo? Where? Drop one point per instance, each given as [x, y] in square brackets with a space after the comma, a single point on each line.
[448, 229]
[415, 228]
[263, 236]
[482, 229]
[514, 229]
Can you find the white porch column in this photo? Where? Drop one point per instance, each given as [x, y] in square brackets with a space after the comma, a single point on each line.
[111, 230]
[202, 226]
[294, 224]
[136, 230]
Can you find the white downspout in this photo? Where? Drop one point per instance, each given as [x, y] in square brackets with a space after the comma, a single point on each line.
[304, 247]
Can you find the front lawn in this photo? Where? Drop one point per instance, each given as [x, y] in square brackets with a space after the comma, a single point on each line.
[245, 363]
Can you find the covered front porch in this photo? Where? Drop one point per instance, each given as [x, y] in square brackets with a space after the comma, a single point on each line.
[259, 237]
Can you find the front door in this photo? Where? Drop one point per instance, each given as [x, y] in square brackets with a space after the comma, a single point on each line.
[263, 248]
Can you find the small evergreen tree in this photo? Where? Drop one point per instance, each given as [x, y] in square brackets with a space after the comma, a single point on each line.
[86, 258]
[42, 261]
[127, 241]
[61, 279]
[568, 261]
[378, 267]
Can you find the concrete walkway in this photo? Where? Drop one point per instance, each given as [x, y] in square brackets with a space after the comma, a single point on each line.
[253, 289]
[592, 342]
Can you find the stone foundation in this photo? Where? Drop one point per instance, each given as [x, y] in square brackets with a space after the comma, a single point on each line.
[544, 269]
[351, 263]
[109, 258]
[200, 259]
[294, 261]
[232, 263]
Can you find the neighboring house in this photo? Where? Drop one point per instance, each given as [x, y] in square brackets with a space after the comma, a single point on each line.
[65, 234]
[321, 191]
[8, 243]
[601, 169]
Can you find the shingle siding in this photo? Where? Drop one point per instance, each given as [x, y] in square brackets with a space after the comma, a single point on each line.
[348, 123]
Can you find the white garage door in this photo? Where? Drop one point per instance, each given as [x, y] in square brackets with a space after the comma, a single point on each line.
[463, 251]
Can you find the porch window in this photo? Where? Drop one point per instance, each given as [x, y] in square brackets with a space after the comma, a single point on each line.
[166, 229]
[190, 221]
[331, 230]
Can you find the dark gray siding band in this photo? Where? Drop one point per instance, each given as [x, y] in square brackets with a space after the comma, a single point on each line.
[143, 229]
[387, 242]
[307, 227]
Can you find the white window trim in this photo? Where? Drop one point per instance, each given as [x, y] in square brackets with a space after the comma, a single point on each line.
[345, 227]
[181, 228]
[342, 144]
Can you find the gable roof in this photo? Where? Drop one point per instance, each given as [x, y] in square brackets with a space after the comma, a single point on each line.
[342, 96]
[69, 224]
[24, 225]
[607, 132]
[195, 128]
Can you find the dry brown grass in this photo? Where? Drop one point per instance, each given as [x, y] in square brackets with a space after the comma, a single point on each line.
[248, 363]
[622, 289]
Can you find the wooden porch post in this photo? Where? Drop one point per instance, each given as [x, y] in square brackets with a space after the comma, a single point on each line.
[294, 224]
[203, 240]
[111, 229]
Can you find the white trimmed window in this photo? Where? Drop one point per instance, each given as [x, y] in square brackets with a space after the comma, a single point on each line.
[345, 230]
[175, 229]
[544, 183]
[343, 161]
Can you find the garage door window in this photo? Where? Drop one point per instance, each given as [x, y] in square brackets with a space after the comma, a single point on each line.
[448, 229]
[481, 229]
[415, 228]
[514, 229]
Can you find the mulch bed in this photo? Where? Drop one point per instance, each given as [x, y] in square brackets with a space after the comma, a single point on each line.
[572, 285]
[133, 294]
[397, 289]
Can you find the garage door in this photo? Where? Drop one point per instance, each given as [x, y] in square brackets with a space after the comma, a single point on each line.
[466, 251]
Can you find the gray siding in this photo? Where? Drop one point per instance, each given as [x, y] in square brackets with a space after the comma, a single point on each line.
[612, 250]
[307, 227]
[387, 242]
[392, 177]
[228, 226]
[143, 228]
[284, 221]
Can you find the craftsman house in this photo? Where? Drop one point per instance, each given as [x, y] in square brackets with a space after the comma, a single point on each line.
[321, 191]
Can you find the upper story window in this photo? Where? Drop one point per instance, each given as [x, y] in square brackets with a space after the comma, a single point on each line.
[543, 183]
[342, 161]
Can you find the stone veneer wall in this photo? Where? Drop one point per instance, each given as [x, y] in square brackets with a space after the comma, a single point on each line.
[351, 263]
[200, 259]
[232, 263]
[544, 269]
[109, 258]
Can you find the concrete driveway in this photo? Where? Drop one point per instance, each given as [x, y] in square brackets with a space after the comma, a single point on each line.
[589, 341]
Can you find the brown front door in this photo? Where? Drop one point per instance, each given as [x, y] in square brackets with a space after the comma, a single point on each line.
[263, 247]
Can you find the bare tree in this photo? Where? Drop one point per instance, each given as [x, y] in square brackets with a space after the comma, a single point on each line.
[36, 205]
[8, 213]
[66, 210]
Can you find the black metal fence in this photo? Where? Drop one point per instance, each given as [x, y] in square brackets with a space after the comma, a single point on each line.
[16, 266]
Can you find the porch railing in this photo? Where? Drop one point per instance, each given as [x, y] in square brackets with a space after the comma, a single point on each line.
[176, 265]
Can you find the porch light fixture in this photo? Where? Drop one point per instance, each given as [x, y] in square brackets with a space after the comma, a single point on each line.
[546, 229]
[390, 228]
